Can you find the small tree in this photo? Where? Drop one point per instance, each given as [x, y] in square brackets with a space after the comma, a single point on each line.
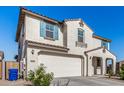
[122, 72]
[39, 77]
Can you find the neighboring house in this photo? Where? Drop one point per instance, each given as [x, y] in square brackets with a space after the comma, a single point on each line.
[6, 65]
[119, 65]
[67, 48]
[1, 62]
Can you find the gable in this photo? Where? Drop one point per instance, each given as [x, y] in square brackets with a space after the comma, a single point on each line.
[101, 51]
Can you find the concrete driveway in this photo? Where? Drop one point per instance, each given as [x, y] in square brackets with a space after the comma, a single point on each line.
[91, 81]
[74, 81]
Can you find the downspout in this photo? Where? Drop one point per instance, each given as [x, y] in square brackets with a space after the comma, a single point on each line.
[85, 53]
[26, 70]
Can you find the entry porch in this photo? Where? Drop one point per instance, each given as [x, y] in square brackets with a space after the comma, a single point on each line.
[100, 61]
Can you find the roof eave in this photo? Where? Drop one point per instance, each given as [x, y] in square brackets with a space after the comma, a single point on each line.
[101, 38]
[24, 11]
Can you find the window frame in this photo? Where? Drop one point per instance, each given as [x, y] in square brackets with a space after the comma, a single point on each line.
[81, 35]
[104, 44]
[49, 30]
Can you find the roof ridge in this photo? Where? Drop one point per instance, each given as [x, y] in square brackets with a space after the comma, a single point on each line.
[102, 38]
[72, 19]
[39, 14]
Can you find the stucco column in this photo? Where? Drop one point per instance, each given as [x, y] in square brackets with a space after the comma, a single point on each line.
[114, 66]
[90, 66]
[85, 66]
[82, 67]
[104, 66]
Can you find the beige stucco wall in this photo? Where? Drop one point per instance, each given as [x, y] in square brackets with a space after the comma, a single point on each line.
[96, 43]
[32, 59]
[72, 37]
[61, 66]
[33, 32]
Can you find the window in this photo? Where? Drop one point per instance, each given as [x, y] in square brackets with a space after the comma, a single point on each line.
[48, 30]
[105, 44]
[80, 35]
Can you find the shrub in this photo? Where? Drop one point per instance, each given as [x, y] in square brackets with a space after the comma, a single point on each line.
[110, 72]
[39, 77]
[122, 72]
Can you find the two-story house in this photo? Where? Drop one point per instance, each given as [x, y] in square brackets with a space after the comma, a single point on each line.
[67, 48]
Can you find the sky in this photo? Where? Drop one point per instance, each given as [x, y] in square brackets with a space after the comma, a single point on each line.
[104, 21]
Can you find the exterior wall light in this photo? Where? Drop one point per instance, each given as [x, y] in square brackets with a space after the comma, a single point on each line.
[32, 52]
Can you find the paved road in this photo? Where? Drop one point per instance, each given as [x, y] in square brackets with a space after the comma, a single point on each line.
[92, 81]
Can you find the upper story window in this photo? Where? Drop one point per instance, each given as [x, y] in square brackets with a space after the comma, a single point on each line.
[105, 44]
[48, 30]
[80, 35]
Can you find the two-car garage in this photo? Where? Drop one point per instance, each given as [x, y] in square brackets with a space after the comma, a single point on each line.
[62, 65]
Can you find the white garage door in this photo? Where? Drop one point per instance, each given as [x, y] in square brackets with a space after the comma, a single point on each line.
[61, 66]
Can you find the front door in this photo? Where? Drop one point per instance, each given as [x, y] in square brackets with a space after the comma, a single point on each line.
[97, 65]
[109, 65]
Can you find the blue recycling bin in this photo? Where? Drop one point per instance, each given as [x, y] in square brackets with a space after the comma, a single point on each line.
[13, 74]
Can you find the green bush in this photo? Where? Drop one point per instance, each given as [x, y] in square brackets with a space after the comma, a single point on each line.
[122, 72]
[39, 77]
[110, 72]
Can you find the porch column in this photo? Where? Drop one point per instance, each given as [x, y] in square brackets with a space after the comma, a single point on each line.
[104, 66]
[82, 67]
[114, 66]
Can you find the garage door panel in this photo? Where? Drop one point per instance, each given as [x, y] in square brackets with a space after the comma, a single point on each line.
[61, 66]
